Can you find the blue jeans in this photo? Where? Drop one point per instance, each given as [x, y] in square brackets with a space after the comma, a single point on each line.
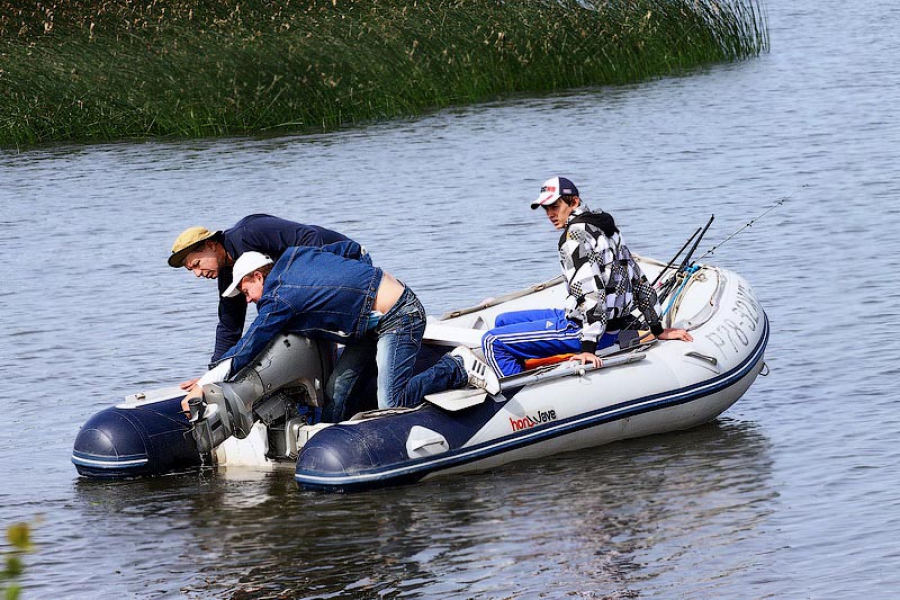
[525, 334]
[397, 339]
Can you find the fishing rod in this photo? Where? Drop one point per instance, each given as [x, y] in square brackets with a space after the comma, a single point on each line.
[687, 264]
[684, 263]
[751, 222]
[674, 258]
[687, 258]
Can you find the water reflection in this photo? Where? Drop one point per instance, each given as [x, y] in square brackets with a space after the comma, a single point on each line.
[608, 520]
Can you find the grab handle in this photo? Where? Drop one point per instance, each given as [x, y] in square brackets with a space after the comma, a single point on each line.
[710, 359]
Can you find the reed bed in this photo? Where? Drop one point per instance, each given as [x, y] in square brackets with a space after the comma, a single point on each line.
[82, 70]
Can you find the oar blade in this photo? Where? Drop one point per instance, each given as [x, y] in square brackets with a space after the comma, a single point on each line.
[456, 400]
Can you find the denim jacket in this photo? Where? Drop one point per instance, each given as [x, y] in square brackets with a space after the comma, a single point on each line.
[320, 293]
[269, 235]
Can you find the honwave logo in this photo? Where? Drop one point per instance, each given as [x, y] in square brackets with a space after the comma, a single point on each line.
[533, 420]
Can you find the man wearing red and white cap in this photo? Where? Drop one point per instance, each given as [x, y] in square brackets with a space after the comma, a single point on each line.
[605, 285]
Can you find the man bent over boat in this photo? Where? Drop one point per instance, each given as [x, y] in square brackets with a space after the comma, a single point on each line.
[332, 293]
[604, 286]
[211, 255]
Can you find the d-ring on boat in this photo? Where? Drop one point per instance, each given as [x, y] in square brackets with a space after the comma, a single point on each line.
[258, 419]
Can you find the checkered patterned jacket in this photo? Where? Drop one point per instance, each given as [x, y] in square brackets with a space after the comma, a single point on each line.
[605, 284]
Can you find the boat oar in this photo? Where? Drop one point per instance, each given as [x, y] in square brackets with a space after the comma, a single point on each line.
[455, 400]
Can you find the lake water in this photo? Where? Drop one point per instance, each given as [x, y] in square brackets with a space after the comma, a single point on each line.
[792, 493]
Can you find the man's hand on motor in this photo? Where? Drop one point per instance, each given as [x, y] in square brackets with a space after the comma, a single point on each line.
[195, 392]
[186, 385]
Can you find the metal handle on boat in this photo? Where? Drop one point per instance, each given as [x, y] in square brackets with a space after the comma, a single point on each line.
[454, 400]
[710, 359]
[567, 369]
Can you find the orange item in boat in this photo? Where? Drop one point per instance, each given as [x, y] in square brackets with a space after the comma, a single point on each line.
[534, 363]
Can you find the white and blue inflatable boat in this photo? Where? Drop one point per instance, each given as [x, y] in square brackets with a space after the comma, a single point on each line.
[262, 419]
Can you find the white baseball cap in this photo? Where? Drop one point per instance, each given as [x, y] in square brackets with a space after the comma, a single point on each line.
[552, 189]
[243, 266]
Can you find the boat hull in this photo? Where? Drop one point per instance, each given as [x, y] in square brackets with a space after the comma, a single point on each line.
[677, 385]
[376, 453]
[658, 387]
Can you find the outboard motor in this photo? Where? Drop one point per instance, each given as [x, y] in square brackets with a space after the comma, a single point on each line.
[290, 371]
[149, 435]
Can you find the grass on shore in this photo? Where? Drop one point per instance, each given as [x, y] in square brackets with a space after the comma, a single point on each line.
[81, 70]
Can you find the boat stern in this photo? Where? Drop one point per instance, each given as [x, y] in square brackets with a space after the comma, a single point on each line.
[136, 440]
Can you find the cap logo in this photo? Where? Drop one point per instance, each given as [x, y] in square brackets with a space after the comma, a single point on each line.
[548, 188]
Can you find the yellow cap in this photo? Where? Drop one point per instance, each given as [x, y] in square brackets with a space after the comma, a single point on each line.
[186, 242]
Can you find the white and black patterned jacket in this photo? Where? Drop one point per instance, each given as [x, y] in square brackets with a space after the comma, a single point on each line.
[605, 284]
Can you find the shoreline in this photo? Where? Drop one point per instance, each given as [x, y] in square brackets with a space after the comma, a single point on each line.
[82, 74]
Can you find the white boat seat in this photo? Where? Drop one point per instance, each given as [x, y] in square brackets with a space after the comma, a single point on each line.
[440, 334]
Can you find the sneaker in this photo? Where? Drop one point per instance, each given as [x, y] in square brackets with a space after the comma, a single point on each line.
[480, 374]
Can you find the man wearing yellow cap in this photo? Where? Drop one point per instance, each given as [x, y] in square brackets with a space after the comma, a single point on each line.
[211, 255]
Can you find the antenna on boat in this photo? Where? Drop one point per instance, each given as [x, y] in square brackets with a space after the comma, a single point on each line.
[752, 221]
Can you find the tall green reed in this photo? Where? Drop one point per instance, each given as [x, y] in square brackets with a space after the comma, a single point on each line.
[87, 71]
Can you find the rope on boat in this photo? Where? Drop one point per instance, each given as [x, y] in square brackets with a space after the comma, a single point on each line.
[689, 273]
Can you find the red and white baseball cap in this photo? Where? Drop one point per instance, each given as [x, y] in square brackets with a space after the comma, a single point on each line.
[552, 189]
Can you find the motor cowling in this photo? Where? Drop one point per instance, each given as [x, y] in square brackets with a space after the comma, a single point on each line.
[232, 407]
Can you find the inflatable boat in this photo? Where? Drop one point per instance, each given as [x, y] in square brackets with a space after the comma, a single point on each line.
[265, 417]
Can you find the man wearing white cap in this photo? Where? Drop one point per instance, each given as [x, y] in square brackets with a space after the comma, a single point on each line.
[605, 285]
[330, 293]
[211, 255]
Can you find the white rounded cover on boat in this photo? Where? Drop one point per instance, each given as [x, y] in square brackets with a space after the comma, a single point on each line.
[425, 442]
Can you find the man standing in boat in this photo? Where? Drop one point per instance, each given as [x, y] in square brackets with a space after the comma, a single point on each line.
[334, 293]
[604, 283]
[212, 255]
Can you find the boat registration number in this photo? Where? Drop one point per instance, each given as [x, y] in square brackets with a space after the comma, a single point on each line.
[735, 332]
